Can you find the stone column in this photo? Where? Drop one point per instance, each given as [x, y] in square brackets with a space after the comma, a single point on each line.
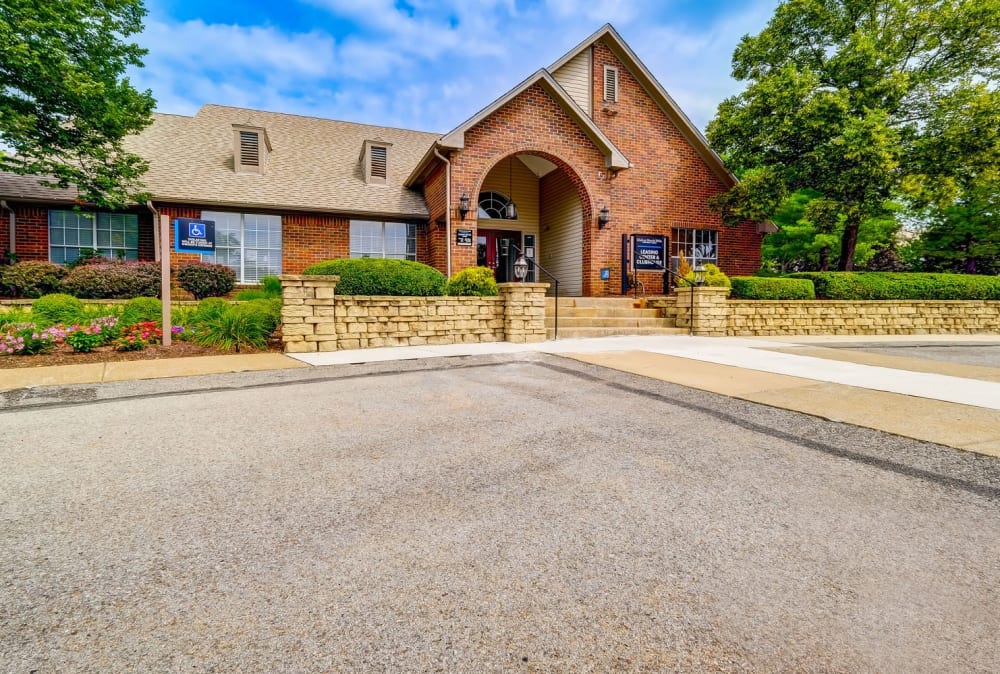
[711, 313]
[524, 311]
[307, 313]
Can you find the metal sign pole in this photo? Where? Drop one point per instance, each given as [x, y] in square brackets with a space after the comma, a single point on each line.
[165, 278]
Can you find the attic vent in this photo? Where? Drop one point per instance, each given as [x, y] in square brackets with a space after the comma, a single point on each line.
[374, 160]
[610, 84]
[379, 158]
[249, 148]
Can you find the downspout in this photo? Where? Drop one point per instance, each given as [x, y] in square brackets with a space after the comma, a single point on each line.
[13, 245]
[447, 210]
[156, 230]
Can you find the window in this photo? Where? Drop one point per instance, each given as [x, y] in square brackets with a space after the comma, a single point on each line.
[610, 84]
[116, 235]
[375, 161]
[247, 243]
[494, 205]
[698, 246]
[397, 240]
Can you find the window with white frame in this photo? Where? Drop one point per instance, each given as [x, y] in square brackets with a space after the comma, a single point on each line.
[115, 235]
[247, 243]
[370, 238]
[698, 246]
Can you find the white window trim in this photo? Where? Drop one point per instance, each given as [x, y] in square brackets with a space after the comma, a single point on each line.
[241, 273]
[94, 217]
[353, 253]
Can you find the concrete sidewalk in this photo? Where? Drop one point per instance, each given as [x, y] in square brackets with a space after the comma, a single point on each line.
[948, 403]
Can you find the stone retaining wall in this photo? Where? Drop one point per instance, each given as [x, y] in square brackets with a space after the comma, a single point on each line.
[315, 318]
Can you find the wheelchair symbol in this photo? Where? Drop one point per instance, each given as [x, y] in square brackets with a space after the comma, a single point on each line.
[196, 230]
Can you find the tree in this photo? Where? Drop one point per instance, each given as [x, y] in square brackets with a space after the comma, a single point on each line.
[839, 93]
[65, 105]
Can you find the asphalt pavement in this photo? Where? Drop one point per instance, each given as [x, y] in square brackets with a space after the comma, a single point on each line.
[521, 512]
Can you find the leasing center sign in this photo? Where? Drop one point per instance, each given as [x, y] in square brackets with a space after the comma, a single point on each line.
[649, 252]
[194, 236]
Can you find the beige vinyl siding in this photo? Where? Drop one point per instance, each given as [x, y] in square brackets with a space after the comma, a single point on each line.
[525, 196]
[576, 79]
[562, 233]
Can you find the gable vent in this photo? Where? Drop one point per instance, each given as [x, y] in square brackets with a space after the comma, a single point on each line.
[610, 84]
[379, 157]
[249, 148]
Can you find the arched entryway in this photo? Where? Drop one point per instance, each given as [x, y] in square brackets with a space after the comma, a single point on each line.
[537, 203]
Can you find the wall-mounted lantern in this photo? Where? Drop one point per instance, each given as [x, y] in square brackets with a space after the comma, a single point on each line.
[463, 205]
[604, 217]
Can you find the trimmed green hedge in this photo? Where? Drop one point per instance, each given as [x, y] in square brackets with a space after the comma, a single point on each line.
[476, 281]
[901, 286]
[769, 288]
[376, 276]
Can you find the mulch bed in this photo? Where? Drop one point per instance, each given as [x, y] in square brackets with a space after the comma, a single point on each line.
[64, 355]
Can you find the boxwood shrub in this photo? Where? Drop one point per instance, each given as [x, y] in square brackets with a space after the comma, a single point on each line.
[901, 286]
[770, 288]
[477, 281]
[376, 276]
[31, 279]
[141, 310]
[57, 308]
[114, 279]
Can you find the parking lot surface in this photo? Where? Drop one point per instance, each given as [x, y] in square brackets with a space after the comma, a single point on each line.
[483, 514]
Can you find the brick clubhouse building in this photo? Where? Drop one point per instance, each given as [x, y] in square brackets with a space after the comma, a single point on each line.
[562, 166]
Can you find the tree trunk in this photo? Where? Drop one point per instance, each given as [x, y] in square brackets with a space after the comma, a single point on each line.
[848, 242]
[824, 258]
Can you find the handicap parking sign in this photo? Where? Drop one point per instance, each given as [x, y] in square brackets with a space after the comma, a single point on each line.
[194, 236]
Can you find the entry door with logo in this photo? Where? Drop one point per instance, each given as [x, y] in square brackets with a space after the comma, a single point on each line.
[494, 249]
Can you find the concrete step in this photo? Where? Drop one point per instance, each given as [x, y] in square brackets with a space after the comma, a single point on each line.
[574, 333]
[610, 322]
[603, 312]
[590, 302]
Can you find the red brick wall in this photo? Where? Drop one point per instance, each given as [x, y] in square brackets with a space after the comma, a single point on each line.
[32, 231]
[668, 185]
[432, 247]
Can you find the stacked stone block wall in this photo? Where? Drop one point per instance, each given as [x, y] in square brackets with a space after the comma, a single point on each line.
[315, 318]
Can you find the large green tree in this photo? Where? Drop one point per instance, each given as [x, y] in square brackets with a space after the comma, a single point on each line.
[65, 103]
[838, 97]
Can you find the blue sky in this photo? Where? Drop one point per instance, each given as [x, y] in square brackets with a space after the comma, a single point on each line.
[421, 64]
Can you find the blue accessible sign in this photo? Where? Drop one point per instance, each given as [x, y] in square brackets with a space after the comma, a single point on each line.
[649, 252]
[194, 236]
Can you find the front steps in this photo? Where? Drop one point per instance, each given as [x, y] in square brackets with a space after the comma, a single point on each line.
[607, 316]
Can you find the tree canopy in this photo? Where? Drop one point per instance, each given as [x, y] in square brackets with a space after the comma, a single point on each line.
[65, 103]
[839, 98]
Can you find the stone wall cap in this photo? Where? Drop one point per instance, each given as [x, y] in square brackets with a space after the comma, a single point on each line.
[515, 284]
[308, 277]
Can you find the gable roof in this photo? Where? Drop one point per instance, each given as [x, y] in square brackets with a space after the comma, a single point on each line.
[628, 58]
[455, 139]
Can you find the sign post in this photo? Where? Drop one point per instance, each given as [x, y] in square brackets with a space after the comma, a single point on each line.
[165, 278]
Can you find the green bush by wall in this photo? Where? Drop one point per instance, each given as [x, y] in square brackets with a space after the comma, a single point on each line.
[202, 279]
[31, 279]
[113, 279]
[57, 308]
[376, 276]
[473, 281]
[770, 288]
[901, 286]
[142, 309]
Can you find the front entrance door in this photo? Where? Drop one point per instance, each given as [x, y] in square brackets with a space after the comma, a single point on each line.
[494, 250]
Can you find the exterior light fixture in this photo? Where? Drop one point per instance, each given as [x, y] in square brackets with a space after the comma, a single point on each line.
[511, 208]
[520, 268]
[699, 275]
[604, 217]
[463, 205]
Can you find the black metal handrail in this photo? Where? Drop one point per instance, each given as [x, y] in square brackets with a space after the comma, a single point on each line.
[679, 278]
[555, 331]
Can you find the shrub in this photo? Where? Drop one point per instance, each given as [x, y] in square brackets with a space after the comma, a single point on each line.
[478, 281]
[269, 310]
[376, 276]
[237, 327]
[31, 279]
[271, 285]
[114, 279]
[713, 277]
[13, 317]
[57, 308]
[770, 288]
[902, 286]
[142, 310]
[85, 338]
[202, 279]
[251, 294]
[86, 256]
[210, 308]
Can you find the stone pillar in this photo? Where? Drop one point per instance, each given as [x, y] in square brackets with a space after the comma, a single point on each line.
[523, 312]
[306, 311]
[711, 313]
